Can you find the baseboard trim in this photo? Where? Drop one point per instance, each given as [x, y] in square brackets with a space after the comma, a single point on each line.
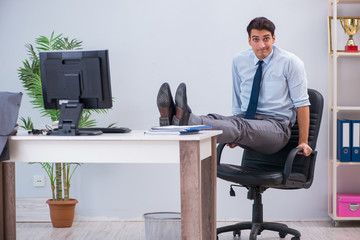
[33, 210]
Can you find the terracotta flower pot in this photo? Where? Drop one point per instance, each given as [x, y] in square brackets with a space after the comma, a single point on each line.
[62, 212]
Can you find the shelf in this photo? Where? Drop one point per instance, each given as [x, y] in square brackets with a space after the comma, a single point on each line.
[340, 17]
[341, 53]
[336, 169]
[338, 163]
[343, 218]
[348, 1]
[346, 108]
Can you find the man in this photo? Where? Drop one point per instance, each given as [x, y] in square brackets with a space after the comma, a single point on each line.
[264, 107]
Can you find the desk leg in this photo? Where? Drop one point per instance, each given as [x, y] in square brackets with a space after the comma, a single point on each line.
[198, 192]
[191, 220]
[208, 193]
[7, 201]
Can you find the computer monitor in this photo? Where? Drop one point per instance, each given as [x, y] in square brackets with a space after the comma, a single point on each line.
[73, 80]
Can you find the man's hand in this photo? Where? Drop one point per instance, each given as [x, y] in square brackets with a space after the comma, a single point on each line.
[231, 145]
[307, 149]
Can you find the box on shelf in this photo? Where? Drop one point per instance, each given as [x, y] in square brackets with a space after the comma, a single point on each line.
[348, 204]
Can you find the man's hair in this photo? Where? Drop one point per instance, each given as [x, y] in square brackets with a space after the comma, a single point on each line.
[261, 23]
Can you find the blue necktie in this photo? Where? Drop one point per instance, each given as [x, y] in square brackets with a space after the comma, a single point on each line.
[251, 110]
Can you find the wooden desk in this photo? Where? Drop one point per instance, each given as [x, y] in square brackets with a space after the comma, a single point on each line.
[196, 154]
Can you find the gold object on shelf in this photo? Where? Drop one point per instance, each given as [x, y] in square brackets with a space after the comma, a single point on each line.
[331, 22]
[351, 26]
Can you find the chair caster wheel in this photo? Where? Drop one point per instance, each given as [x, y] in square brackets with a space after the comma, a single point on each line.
[236, 233]
[295, 238]
[282, 234]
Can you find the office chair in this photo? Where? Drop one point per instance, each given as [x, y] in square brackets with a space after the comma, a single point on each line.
[282, 170]
[9, 111]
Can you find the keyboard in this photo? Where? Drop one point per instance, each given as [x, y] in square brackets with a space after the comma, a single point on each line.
[107, 130]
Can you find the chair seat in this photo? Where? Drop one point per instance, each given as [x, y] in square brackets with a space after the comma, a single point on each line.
[253, 177]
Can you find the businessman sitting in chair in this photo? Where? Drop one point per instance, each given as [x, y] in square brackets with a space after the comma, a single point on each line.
[276, 120]
[269, 91]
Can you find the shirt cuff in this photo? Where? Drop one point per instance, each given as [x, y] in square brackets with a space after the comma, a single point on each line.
[302, 103]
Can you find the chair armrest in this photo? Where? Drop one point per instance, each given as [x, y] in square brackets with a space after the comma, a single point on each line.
[219, 150]
[289, 163]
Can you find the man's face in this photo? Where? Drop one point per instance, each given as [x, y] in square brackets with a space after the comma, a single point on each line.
[261, 42]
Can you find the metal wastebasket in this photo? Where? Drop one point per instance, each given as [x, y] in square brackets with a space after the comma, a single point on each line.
[162, 226]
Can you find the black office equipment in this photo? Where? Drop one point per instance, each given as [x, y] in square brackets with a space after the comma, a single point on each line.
[283, 170]
[72, 81]
[107, 130]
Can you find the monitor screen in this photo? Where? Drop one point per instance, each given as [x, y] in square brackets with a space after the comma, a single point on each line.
[73, 80]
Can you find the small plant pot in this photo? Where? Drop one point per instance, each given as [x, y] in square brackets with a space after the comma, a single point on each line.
[62, 212]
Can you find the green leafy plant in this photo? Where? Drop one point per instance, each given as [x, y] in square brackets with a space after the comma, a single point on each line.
[60, 174]
[27, 123]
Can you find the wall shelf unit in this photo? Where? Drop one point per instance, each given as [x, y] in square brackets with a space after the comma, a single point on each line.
[336, 107]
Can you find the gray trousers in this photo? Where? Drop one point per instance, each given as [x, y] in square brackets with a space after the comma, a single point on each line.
[262, 134]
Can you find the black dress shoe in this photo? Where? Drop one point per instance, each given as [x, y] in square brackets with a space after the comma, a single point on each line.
[165, 104]
[182, 109]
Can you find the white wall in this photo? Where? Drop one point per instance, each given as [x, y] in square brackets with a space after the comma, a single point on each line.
[151, 42]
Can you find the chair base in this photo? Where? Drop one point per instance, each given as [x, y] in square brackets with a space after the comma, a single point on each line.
[257, 228]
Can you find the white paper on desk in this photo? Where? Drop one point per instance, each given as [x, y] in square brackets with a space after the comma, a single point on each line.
[172, 128]
[157, 132]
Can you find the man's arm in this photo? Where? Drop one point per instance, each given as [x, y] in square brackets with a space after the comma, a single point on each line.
[303, 118]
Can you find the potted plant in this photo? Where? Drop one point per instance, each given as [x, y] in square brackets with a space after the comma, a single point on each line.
[59, 174]
[62, 207]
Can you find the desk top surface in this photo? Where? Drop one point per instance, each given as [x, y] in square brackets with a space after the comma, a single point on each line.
[134, 135]
[133, 147]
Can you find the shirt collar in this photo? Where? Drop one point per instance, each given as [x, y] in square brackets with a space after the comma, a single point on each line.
[266, 60]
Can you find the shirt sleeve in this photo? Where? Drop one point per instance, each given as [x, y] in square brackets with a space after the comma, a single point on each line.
[236, 101]
[297, 82]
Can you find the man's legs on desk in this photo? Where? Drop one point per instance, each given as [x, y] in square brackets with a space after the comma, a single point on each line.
[262, 134]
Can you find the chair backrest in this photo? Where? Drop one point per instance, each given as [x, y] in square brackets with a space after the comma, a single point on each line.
[9, 110]
[275, 162]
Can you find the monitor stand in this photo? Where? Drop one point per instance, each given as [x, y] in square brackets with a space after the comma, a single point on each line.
[70, 114]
